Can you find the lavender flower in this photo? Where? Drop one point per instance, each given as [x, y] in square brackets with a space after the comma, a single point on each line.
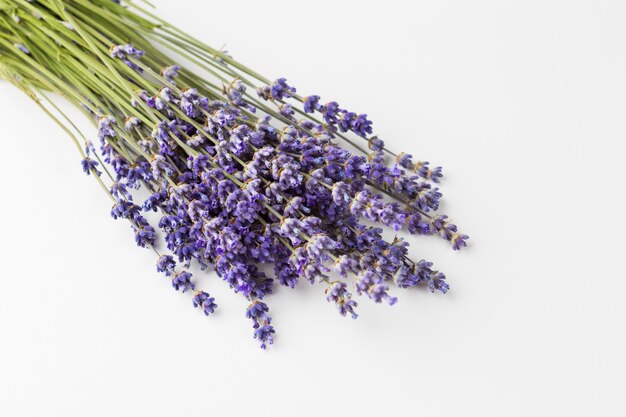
[170, 73]
[182, 281]
[204, 300]
[166, 264]
[265, 335]
[125, 52]
[338, 294]
[311, 104]
[368, 283]
[89, 165]
[280, 89]
[257, 312]
[234, 181]
[106, 127]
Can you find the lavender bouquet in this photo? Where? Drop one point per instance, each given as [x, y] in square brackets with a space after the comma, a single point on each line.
[242, 171]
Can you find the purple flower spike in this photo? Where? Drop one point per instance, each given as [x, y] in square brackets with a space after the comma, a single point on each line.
[436, 174]
[376, 144]
[265, 335]
[338, 293]
[459, 241]
[145, 235]
[125, 210]
[345, 265]
[361, 125]
[119, 190]
[286, 111]
[124, 52]
[330, 111]
[204, 300]
[311, 104]
[171, 72]
[368, 283]
[88, 165]
[423, 170]
[280, 89]
[442, 226]
[405, 161]
[105, 127]
[182, 281]
[438, 283]
[257, 312]
[166, 264]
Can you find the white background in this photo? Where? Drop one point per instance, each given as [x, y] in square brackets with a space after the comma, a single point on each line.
[522, 102]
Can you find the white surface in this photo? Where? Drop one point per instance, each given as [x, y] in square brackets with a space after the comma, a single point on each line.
[523, 104]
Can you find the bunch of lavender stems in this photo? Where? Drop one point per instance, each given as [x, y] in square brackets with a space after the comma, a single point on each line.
[242, 170]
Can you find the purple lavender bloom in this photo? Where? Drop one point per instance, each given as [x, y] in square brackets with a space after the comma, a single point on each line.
[235, 92]
[189, 99]
[338, 293]
[125, 210]
[155, 200]
[160, 166]
[438, 283]
[368, 283]
[361, 125]
[265, 92]
[119, 190]
[265, 335]
[170, 72]
[204, 300]
[436, 174]
[345, 265]
[105, 127]
[89, 148]
[286, 110]
[88, 165]
[145, 235]
[124, 52]
[406, 161]
[459, 241]
[319, 246]
[161, 100]
[376, 144]
[311, 104]
[280, 89]
[182, 281]
[442, 226]
[346, 120]
[166, 264]
[330, 111]
[341, 193]
[285, 272]
[423, 169]
[131, 122]
[257, 312]
[416, 224]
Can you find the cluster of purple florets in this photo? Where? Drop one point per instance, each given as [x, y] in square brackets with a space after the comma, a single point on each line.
[236, 189]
